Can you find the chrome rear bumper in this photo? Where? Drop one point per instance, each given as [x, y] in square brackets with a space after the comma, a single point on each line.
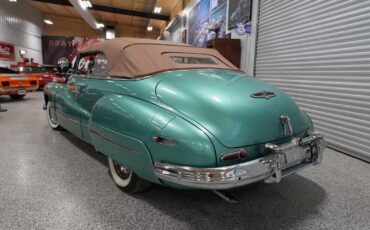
[279, 161]
[9, 90]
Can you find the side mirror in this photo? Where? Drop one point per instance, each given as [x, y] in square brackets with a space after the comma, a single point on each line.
[63, 65]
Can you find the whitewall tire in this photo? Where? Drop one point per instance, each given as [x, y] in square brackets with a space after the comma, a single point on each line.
[52, 117]
[125, 178]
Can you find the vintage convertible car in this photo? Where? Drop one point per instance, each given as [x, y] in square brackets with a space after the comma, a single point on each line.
[180, 116]
[16, 85]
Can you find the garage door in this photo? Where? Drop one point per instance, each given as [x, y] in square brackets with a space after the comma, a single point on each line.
[318, 52]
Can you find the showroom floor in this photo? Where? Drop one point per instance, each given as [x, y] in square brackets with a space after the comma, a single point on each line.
[52, 180]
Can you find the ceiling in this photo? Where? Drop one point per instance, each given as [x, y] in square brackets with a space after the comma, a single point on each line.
[138, 25]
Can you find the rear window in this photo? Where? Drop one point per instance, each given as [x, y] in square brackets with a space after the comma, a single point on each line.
[6, 70]
[192, 60]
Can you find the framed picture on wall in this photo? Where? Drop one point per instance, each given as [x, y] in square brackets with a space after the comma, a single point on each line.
[7, 51]
[198, 24]
[240, 12]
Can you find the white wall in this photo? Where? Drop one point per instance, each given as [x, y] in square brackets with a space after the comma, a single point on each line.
[21, 26]
[248, 42]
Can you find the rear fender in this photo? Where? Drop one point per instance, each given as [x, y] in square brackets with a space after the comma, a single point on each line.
[123, 127]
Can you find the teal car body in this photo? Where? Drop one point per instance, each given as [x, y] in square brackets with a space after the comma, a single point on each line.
[201, 114]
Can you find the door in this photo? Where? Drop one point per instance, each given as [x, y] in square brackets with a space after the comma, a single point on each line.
[319, 53]
[90, 89]
[67, 109]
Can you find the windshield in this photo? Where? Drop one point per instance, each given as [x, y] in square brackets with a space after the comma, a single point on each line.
[30, 69]
[6, 70]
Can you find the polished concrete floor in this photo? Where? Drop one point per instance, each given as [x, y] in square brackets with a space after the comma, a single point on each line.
[52, 180]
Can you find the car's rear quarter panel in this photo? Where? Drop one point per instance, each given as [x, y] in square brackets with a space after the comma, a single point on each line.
[122, 128]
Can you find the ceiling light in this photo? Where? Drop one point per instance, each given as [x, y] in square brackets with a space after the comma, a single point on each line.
[110, 32]
[47, 21]
[157, 9]
[85, 4]
[150, 28]
[12, 0]
[99, 25]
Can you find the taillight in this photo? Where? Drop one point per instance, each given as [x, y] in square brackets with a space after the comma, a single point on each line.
[5, 84]
[241, 154]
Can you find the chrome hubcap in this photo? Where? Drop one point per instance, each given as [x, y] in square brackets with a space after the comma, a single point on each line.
[122, 170]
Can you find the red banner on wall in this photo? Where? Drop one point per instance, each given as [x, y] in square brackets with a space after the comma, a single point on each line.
[56, 47]
[7, 51]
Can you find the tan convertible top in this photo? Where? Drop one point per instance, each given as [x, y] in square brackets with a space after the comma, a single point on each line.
[134, 57]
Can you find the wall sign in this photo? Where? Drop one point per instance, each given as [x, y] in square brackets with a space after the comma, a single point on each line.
[56, 47]
[242, 29]
[7, 51]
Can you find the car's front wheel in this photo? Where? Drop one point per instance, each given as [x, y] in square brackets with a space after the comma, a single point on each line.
[126, 179]
[52, 118]
[16, 96]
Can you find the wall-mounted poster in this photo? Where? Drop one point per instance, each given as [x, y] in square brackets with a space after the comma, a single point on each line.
[56, 47]
[207, 21]
[217, 19]
[198, 24]
[239, 12]
[7, 51]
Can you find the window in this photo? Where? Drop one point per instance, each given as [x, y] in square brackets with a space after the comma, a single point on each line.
[29, 69]
[95, 64]
[6, 70]
[100, 68]
[192, 60]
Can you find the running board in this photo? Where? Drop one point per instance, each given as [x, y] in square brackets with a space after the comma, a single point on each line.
[226, 196]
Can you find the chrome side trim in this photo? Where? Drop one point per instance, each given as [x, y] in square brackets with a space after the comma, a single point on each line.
[280, 161]
[106, 139]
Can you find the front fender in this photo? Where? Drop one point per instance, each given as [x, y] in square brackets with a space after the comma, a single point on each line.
[50, 90]
[123, 127]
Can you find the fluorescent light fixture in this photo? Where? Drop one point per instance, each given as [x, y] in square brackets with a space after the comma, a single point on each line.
[157, 9]
[110, 32]
[150, 28]
[12, 0]
[47, 21]
[85, 4]
[99, 25]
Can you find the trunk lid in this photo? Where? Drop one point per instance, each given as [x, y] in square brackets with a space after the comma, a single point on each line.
[221, 102]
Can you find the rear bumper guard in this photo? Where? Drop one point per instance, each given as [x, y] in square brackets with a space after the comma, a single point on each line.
[280, 161]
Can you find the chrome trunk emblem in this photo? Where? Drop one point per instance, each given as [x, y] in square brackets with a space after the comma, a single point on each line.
[263, 94]
[287, 126]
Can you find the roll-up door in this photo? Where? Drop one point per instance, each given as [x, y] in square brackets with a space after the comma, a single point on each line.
[318, 52]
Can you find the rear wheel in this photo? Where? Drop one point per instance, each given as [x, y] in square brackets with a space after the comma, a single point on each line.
[52, 118]
[126, 179]
[16, 96]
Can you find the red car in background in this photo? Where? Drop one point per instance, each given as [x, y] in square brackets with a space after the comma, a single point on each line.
[45, 74]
